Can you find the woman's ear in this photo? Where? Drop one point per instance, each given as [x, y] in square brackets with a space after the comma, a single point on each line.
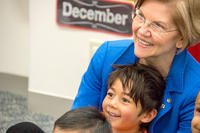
[149, 116]
[180, 44]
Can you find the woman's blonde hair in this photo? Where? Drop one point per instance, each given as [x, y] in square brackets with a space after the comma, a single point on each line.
[186, 17]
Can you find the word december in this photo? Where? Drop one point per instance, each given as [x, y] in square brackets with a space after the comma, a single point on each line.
[94, 15]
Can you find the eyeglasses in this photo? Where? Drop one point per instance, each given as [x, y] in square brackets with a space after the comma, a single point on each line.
[140, 20]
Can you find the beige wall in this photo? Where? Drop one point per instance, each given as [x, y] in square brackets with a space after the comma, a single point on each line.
[14, 37]
[33, 45]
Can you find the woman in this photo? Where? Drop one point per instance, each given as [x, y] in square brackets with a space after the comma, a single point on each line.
[162, 30]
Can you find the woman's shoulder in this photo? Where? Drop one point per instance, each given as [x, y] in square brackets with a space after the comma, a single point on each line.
[116, 48]
[120, 43]
[115, 45]
[184, 73]
[116, 52]
[192, 64]
[192, 72]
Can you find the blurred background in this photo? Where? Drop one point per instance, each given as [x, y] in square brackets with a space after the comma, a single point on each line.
[40, 61]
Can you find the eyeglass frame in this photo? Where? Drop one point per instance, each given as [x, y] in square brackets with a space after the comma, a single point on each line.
[153, 25]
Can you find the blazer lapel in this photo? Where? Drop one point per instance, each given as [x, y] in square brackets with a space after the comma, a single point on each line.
[174, 84]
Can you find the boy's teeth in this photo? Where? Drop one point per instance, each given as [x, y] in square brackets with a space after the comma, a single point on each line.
[112, 114]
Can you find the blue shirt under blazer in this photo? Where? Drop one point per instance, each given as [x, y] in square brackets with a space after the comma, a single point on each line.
[183, 84]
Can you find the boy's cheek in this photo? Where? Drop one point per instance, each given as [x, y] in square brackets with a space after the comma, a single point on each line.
[196, 122]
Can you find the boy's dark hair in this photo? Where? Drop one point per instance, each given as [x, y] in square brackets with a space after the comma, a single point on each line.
[145, 83]
[86, 120]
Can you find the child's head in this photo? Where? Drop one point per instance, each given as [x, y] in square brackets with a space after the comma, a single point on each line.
[134, 96]
[82, 120]
[196, 118]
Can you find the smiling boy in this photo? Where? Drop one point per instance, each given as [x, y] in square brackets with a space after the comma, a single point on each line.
[133, 98]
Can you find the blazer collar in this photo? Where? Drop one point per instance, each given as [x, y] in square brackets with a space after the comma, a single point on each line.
[127, 55]
[175, 77]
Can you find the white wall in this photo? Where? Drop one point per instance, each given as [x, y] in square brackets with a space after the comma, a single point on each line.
[59, 55]
[14, 37]
[33, 45]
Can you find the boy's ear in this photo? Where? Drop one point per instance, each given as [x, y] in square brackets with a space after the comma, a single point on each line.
[149, 116]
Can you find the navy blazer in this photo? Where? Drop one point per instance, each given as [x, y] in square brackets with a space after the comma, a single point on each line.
[182, 85]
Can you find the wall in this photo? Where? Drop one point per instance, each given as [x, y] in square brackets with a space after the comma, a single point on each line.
[59, 55]
[14, 37]
[33, 45]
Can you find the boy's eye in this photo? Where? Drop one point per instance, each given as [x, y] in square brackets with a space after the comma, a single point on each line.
[197, 110]
[125, 100]
[109, 94]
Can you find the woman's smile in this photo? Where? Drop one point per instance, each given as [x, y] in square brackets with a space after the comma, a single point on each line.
[143, 43]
